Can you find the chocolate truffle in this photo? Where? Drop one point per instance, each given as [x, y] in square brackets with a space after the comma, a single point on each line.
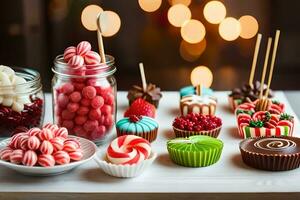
[271, 153]
[152, 94]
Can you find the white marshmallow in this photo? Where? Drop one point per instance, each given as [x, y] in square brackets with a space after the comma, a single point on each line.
[4, 79]
[7, 101]
[18, 107]
[7, 70]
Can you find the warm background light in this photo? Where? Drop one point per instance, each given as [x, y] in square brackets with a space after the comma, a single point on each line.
[249, 26]
[89, 17]
[202, 75]
[110, 23]
[230, 29]
[150, 5]
[214, 12]
[178, 14]
[193, 31]
[191, 52]
[184, 2]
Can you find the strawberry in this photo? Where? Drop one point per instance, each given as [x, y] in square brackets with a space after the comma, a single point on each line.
[140, 107]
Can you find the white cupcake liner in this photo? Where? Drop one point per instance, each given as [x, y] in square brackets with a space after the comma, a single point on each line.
[123, 171]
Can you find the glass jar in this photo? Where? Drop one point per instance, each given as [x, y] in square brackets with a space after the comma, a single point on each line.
[84, 98]
[21, 105]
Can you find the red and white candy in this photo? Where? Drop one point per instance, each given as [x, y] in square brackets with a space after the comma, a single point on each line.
[29, 158]
[16, 156]
[5, 153]
[46, 160]
[62, 132]
[92, 58]
[46, 134]
[128, 149]
[33, 143]
[58, 143]
[76, 155]
[61, 157]
[76, 62]
[46, 147]
[71, 145]
[83, 47]
[69, 53]
[34, 132]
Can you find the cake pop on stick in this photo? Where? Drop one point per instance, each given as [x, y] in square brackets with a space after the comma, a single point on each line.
[272, 62]
[144, 83]
[100, 40]
[256, 51]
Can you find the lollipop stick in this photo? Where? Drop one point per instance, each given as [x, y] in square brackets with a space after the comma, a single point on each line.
[144, 83]
[199, 89]
[256, 51]
[100, 41]
[272, 62]
[265, 67]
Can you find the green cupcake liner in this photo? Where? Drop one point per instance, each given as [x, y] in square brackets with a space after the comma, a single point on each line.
[201, 153]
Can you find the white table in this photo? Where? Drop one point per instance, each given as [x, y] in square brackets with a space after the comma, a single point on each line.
[229, 178]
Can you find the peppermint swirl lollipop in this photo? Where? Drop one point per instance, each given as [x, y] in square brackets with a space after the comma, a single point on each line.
[128, 149]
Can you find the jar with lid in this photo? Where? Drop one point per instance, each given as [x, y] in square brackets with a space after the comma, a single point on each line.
[21, 100]
[84, 98]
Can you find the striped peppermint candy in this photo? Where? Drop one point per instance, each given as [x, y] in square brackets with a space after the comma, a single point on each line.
[16, 156]
[5, 153]
[33, 143]
[46, 134]
[46, 160]
[76, 62]
[62, 132]
[30, 158]
[128, 149]
[23, 142]
[69, 53]
[92, 58]
[58, 143]
[46, 147]
[34, 131]
[83, 47]
[15, 140]
[52, 127]
[76, 155]
[61, 157]
[71, 145]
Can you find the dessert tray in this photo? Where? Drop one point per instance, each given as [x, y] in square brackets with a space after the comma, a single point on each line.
[229, 174]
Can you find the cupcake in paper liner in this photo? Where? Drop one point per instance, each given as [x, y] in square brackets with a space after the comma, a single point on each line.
[271, 153]
[142, 126]
[195, 151]
[197, 124]
[127, 156]
[252, 123]
[203, 104]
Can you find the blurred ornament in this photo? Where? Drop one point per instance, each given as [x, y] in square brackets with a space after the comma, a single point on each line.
[184, 2]
[214, 12]
[230, 29]
[89, 17]
[249, 26]
[193, 31]
[110, 23]
[150, 5]
[178, 14]
[191, 52]
[202, 75]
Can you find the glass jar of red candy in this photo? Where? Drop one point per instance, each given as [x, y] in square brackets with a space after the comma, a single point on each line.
[84, 93]
[21, 100]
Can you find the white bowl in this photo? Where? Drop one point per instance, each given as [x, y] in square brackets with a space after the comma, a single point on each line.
[123, 171]
[88, 149]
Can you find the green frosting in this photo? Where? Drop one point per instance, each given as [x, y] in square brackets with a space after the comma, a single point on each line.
[146, 124]
[195, 151]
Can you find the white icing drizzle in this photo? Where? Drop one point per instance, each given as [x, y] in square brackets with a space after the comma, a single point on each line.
[274, 144]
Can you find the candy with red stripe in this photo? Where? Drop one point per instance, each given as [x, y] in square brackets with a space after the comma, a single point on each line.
[61, 157]
[15, 140]
[34, 131]
[83, 47]
[33, 143]
[71, 145]
[16, 156]
[46, 147]
[23, 142]
[5, 153]
[92, 58]
[46, 160]
[58, 143]
[69, 53]
[62, 132]
[46, 134]
[128, 149]
[29, 158]
[76, 62]
[76, 155]
[52, 127]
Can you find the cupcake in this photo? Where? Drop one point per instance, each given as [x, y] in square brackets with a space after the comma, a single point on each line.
[126, 156]
[141, 126]
[246, 94]
[254, 123]
[152, 94]
[271, 153]
[197, 124]
[195, 151]
[203, 104]
[190, 90]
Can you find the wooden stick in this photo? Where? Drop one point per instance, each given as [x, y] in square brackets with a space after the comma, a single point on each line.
[199, 89]
[265, 67]
[256, 51]
[272, 62]
[144, 83]
[100, 41]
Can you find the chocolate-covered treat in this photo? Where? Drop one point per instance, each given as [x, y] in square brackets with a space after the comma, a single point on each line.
[271, 153]
[152, 94]
[246, 94]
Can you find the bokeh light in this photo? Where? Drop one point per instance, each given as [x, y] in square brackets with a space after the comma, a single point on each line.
[89, 17]
[150, 5]
[193, 31]
[110, 23]
[230, 29]
[202, 75]
[191, 52]
[214, 12]
[249, 26]
[184, 2]
[178, 14]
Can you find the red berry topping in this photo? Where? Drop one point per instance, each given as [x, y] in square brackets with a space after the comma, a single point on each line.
[134, 118]
[197, 122]
[140, 107]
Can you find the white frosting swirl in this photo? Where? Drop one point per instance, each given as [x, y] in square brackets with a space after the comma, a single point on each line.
[274, 144]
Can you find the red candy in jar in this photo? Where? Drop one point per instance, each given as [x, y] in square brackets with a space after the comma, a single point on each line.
[85, 101]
